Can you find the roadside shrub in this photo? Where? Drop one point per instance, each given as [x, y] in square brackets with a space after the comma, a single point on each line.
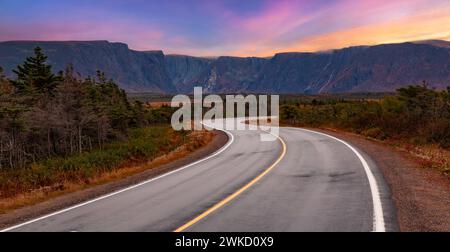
[374, 133]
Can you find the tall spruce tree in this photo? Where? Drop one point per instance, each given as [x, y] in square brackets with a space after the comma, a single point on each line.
[5, 86]
[35, 75]
[2, 75]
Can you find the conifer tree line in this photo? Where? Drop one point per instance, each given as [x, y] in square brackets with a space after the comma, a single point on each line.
[43, 114]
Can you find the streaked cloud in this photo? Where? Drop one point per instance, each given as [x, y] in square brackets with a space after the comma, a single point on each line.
[228, 27]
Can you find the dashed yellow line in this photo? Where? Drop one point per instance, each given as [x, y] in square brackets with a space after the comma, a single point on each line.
[235, 194]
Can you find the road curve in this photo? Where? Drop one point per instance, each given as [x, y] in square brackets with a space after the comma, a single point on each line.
[306, 181]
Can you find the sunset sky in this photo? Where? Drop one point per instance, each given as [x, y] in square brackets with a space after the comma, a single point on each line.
[227, 27]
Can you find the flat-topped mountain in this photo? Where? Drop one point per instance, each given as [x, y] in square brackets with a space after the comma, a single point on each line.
[356, 69]
[378, 68]
[134, 71]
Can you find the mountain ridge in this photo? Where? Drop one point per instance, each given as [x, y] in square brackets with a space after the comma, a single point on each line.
[378, 68]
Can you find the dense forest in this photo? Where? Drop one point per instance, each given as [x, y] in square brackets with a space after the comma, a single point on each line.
[43, 114]
[416, 113]
[61, 131]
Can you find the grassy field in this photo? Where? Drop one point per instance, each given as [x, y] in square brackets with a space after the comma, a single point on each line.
[166, 98]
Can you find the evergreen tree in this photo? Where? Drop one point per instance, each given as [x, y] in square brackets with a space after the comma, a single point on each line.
[5, 86]
[35, 75]
[2, 75]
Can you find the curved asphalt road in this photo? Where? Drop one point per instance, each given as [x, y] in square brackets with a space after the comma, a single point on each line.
[318, 185]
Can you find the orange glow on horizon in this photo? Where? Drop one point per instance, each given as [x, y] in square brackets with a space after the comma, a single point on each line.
[427, 26]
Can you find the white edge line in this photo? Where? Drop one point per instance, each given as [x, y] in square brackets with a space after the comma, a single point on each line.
[230, 141]
[378, 218]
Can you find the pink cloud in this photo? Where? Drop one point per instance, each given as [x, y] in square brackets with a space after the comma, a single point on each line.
[263, 34]
[138, 36]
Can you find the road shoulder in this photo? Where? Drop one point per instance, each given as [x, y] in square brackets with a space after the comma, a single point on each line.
[421, 195]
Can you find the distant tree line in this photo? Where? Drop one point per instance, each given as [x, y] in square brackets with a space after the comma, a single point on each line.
[43, 114]
[416, 113]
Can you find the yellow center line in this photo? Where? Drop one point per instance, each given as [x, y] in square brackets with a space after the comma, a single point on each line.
[235, 194]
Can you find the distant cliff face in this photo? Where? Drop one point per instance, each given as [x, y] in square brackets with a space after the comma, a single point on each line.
[380, 68]
[134, 71]
[355, 69]
[183, 70]
[224, 74]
